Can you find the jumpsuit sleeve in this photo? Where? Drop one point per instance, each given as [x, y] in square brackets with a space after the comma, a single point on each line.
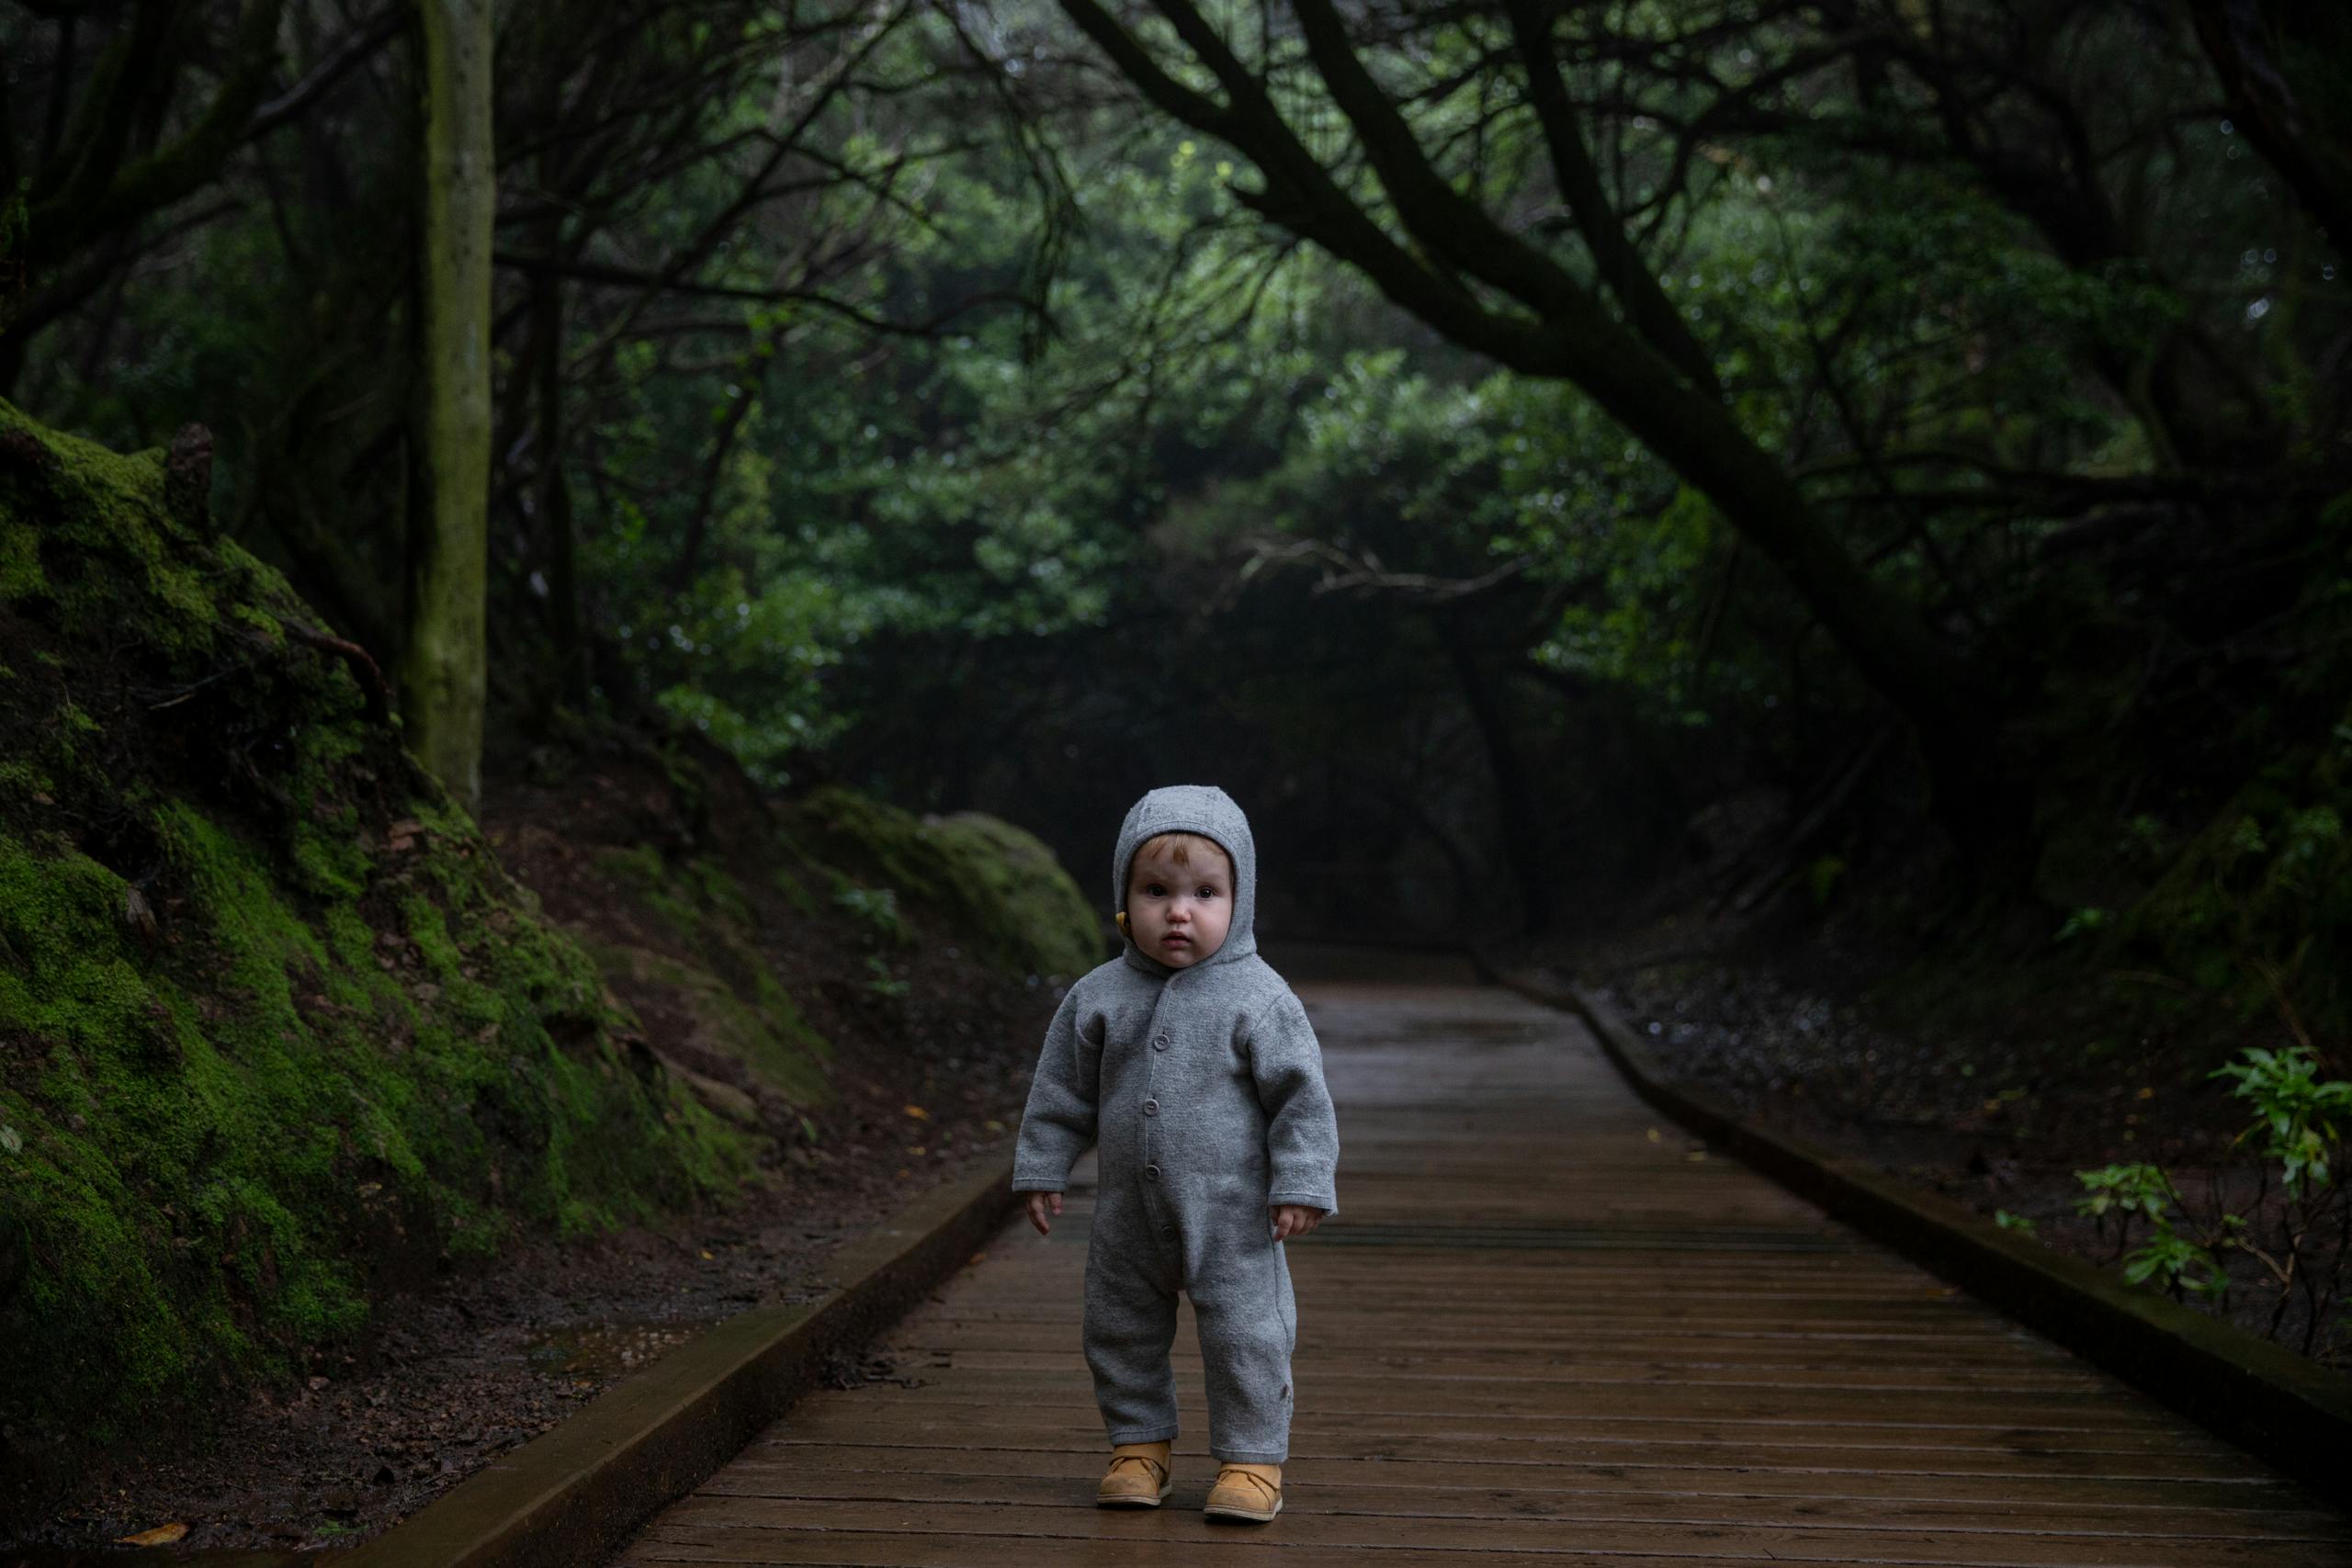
[1302, 1131]
[1059, 1123]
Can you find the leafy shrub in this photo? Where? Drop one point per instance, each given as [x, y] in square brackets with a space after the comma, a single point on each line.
[2296, 1247]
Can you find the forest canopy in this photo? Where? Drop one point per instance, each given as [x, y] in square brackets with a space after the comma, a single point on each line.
[1489, 432]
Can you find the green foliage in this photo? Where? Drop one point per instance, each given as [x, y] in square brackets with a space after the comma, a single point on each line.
[881, 982]
[2295, 1112]
[877, 908]
[2258, 907]
[2122, 1190]
[2090, 917]
[2292, 1246]
[2175, 1264]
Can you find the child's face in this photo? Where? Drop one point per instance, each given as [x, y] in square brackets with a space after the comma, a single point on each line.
[1178, 914]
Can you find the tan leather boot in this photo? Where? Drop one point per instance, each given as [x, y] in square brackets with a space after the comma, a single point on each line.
[1252, 1491]
[1137, 1477]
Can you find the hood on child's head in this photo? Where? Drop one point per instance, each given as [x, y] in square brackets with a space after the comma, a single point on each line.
[1210, 812]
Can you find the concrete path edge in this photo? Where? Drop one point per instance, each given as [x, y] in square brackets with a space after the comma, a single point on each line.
[2256, 1393]
[574, 1494]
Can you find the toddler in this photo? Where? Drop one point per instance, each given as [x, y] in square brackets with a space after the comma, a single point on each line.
[1192, 1065]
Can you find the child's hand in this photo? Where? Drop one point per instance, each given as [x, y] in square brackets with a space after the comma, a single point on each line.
[1038, 1203]
[1295, 1219]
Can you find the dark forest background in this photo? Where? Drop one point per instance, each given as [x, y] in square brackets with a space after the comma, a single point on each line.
[1871, 456]
[1828, 522]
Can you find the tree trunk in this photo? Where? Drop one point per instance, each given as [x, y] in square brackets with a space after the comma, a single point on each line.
[558, 531]
[443, 666]
[1515, 810]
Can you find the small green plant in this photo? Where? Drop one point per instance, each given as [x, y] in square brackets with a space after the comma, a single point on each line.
[884, 983]
[2179, 1264]
[2293, 1110]
[2090, 917]
[2124, 1189]
[2299, 1239]
[2143, 838]
[877, 909]
[2008, 1222]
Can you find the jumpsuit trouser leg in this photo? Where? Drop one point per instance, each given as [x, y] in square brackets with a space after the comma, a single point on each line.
[1248, 1325]
[1130, 1321]
[1240, 1281]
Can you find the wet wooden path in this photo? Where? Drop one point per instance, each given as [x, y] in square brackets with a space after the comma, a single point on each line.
[1545, 1330]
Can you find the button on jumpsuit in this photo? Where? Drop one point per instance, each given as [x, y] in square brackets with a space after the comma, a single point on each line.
[1204, 1089]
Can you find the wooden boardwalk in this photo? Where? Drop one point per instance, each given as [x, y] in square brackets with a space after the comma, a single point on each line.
[1544, 1330]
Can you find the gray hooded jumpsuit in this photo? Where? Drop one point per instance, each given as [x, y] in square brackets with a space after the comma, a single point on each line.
[1204, 1086]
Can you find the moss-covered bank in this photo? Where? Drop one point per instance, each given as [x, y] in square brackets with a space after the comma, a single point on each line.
[764, 943]
[276, 1029]
[995, 882]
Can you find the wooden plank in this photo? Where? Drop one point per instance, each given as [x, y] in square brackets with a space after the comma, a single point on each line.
[1333, 1370]
[2214, 1505]
[1123, 1545]
[970, 1337]
[1473, 1445]
[1552, 1339]
[1071, 1485]
[1581, 1437]
[1517, 1535]
[1505, 1397]
[1538, 1364]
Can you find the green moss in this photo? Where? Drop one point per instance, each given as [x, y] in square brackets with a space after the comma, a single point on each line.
[997, 887]
[1042, 920]
[795, 892]
[329, 857]
[256, 1122]
[428, 929]
[715, 887]
[290, 1060]
[23, 779]
[20, 573]
[737, 1007]
[645, 877]
[767, 1032]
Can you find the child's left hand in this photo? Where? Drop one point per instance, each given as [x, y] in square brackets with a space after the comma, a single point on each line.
[1295, 1219]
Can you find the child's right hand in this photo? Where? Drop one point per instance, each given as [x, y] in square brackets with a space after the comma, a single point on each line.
[1038, 1203]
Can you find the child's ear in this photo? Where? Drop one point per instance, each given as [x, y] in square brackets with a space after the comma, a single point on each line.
[1121, 918]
